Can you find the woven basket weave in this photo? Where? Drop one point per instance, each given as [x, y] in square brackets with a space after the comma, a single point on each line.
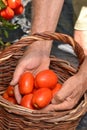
[15, 117]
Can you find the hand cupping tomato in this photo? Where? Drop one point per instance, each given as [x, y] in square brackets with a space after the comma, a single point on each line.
[12, 8]
[36, 91]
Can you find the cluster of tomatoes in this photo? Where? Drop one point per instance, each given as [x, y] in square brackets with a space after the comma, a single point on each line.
[9, 94]
[12, 8]
[37, 92]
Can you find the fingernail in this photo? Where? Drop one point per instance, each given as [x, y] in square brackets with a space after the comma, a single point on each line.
[12, 82]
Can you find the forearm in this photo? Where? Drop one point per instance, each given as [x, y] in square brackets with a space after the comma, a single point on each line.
[45, 15]
[80, 33]
[82, 73]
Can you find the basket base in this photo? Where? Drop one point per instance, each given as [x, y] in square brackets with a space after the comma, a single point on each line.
[9, 121]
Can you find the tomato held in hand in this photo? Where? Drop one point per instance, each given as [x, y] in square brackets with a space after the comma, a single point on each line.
[26, 83]
[57, 88]
[19, 10]
[46, 78]
[42, 97]
[7, 13]
[14, 3]
[26, 101]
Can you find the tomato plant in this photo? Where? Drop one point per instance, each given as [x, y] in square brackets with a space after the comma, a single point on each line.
[57, 88]
[26, 83]
[41, 98]
[46, 78]
[7, 13]
[19, 10]
[13, 3]
[3, 4]
[26, 101]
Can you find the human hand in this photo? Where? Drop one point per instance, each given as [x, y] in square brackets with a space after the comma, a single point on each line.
[69, 95]
[81, 37]
[35, 59]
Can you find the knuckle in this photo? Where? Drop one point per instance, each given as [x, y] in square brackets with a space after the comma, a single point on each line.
[58, 98]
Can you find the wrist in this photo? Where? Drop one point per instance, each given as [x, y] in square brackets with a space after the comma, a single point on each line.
[41, 46]
[82, 70]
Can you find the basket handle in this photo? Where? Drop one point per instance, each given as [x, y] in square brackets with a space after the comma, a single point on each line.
[25, 41]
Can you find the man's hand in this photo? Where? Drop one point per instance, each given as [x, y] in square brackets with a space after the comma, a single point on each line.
[73, 89]
[35, 59]
[69, 95]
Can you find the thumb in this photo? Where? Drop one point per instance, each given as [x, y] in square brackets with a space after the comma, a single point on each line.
[17, 73]
[64, 92]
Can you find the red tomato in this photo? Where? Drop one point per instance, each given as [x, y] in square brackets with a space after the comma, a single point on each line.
[7, 13]
[46, 78]
[19, 10]
[14, 3]
[10, 91]
[57, 88]
[26, 101]
[34, 90]
[26, 83]
[5, 95]
[12, 100]
[42, 97]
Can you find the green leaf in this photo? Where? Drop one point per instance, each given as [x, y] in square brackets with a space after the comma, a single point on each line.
[6, 33]
[2, 5]
[7, 44]
[7, 24]
[1, 42]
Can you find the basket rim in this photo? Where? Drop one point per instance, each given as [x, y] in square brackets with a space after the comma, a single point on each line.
[26, 40]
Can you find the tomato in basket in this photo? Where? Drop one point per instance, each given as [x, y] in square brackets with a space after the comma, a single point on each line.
[57, 88]
[26, 83]
[42, 97]
[5, 95]
[26, 101]
[12, 100]
[46, 78]
[10, 91]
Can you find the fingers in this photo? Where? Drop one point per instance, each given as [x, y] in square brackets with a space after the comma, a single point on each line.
[17, 94]
[67, 104]
[64, 92]
[17, 73]
[70, 86]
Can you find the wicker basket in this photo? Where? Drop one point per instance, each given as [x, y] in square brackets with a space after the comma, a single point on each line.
[15, 117]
